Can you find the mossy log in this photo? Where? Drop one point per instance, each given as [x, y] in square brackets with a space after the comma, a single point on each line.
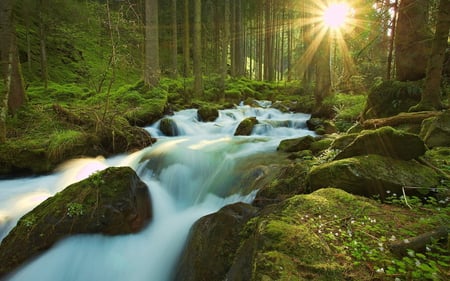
[419, 243]
[402, 118]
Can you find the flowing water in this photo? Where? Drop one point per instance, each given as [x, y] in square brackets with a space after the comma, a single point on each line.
[189, 176]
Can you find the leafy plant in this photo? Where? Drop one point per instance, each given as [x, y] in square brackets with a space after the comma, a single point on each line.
[75, 209]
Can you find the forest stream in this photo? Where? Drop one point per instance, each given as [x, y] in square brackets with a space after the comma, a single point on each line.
[189, 176]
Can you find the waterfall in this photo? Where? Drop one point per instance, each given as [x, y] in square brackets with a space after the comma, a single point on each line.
[189, 176]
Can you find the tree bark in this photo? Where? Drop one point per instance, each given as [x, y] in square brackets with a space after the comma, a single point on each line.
[186, 41]
[12, 93]
[323, 71]
[152, 70]
[174, 55]
[43, 43]
[225, 43]
[412, 41]
[197, 49]
[431, 95]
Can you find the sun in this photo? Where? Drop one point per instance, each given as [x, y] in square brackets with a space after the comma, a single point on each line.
[336, 15]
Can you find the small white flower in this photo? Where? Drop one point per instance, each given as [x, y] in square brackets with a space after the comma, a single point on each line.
[388, 191]
[406, 241]
[380, 270]
[393, 238]
[336, 234]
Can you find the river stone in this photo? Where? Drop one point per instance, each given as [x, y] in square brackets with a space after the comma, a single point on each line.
[212, 243]
[207, 114]
[246, 126]
[297, 144]
[385, 141]
[374, 175]
[111, 202]
[436, 130]
[168, 127]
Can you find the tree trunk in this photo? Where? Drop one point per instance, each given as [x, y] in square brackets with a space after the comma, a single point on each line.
[197, 48]
[186, 43]
[42, 43]
[174, 55]
[323, 72]
[431, 95]
[391, 41]
[152, 71]
[12, 93]
[225, 43]
[412, 41]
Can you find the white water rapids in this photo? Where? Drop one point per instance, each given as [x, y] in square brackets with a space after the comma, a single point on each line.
[189, 176]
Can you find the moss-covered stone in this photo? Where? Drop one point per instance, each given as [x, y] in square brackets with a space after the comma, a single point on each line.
[246, 126]
[374, 175]
[435, 131]
[168, 127]
[297, 144]
[385, 141]
[207, 113]
[212, 244]
[390, 98]
[112, 202]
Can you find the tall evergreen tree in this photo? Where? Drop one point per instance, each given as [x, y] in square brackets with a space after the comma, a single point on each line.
[431, 95]
[12, 93]
[152, 70]
[197, 48]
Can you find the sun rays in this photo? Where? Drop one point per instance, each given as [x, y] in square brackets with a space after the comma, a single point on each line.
[330, 21]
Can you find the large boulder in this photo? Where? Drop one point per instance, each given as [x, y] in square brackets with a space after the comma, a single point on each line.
[374, 175]
[168, 127]
[207, 114]
[111, 202]
[212, 244]
[436, 130]
[246, 126]
[385, 141]
[390, 98]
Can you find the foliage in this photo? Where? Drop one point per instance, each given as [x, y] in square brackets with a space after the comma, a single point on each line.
[75, 209]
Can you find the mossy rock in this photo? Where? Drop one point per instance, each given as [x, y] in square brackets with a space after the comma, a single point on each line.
[390, 98]
[435, 131]
[112, 202]
[321, 126]
[279, 245]
[212, 244]
[168, 127]
[343, 141]
[374, 175]
[297, 144]
[385, 141]
[314, 144]
[246, 126]
[207, 113]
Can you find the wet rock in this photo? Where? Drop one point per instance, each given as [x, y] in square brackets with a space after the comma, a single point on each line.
[385, 141]
[315, 144]
[246, 126]
[374, 175]
[111, 202]
[212, 243]
[207, 114]
[435, 131]
[321, 126]
[168, 127]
